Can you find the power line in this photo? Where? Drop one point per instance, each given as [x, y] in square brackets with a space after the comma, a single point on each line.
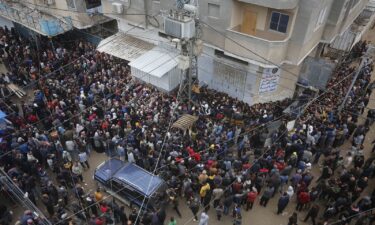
[262, 125]
[246, 48]
[111, 195]
[60, 68]
[156, 167]
[87, 13]
[352, 216]
[306, 106]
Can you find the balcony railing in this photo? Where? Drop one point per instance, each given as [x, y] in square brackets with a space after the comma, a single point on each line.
[275, 4]
[270, 45]
[38, 21]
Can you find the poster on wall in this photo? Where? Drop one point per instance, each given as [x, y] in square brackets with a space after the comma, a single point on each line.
[270, 80]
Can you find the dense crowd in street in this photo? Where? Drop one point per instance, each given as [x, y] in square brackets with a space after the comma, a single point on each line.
[87, 101]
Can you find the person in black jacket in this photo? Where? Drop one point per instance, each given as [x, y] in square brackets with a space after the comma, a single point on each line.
[162, 215]
[194, 207]
[313, 213]
[293, 219]
[122, 215]
[133, 216]
[283, 202]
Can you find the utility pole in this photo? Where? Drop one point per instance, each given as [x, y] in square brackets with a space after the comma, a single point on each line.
[182, 24]
[190, 78]
[352, 84]
[145, 2]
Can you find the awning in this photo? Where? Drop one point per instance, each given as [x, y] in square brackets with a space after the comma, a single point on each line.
[185, 122]
[124, 46]
[34, 19]
[156, 62]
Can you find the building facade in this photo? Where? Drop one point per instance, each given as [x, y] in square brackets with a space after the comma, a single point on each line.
[253, 49]
[53, 17]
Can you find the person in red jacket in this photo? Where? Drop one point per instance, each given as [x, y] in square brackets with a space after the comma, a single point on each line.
[250, 198]
[303, 199]
[237, 186]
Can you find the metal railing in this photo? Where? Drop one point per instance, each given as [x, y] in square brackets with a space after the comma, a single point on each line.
[18, 195]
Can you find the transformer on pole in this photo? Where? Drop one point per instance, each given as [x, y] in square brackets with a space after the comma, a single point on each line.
[182, 24]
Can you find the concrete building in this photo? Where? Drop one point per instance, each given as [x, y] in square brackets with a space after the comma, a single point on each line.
[53, 17]
[254, 50]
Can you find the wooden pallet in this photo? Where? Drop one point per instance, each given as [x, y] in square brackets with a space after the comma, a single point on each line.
[16, 90]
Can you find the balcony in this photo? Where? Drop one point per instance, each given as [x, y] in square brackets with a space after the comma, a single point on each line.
[268, 44]
[276, 4]
[35, 20]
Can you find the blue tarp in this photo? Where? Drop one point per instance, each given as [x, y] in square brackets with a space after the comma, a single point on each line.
[50, 27]
[106, 171]
[143, 181]
[131, 174]
[2, 115]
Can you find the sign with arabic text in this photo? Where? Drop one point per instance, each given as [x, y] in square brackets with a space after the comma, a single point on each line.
[270, 80]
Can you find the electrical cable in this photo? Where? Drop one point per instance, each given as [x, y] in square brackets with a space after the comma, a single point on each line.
[58, 69]
[246, 48]
[306, 106]
[61, 68]
[87, 13]
[241, 45]
[352, 216]
[92, 106]
[111, 195]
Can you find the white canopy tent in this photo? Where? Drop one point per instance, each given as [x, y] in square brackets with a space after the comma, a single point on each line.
[158, 67]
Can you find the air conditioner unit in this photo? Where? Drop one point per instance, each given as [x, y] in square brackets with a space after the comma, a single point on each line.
[179, 28]
[50, 2]
[126, 3]
[117, 8]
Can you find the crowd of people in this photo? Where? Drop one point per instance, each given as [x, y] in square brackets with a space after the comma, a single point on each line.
[230, 161]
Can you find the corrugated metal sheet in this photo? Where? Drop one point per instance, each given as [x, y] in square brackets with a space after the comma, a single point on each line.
[316, 72]
[345, 41]
[124, 46]
[158, 67]
[156, 62]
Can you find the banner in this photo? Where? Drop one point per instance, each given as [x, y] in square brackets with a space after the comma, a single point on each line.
[270, 80]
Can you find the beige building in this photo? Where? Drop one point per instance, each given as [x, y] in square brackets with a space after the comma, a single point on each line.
[53, 17]
[246, 42]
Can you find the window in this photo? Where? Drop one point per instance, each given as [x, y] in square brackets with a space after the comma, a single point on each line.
[71, 4]
[279, 22]
[93, 4]
[213, 10]
[321, 18]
